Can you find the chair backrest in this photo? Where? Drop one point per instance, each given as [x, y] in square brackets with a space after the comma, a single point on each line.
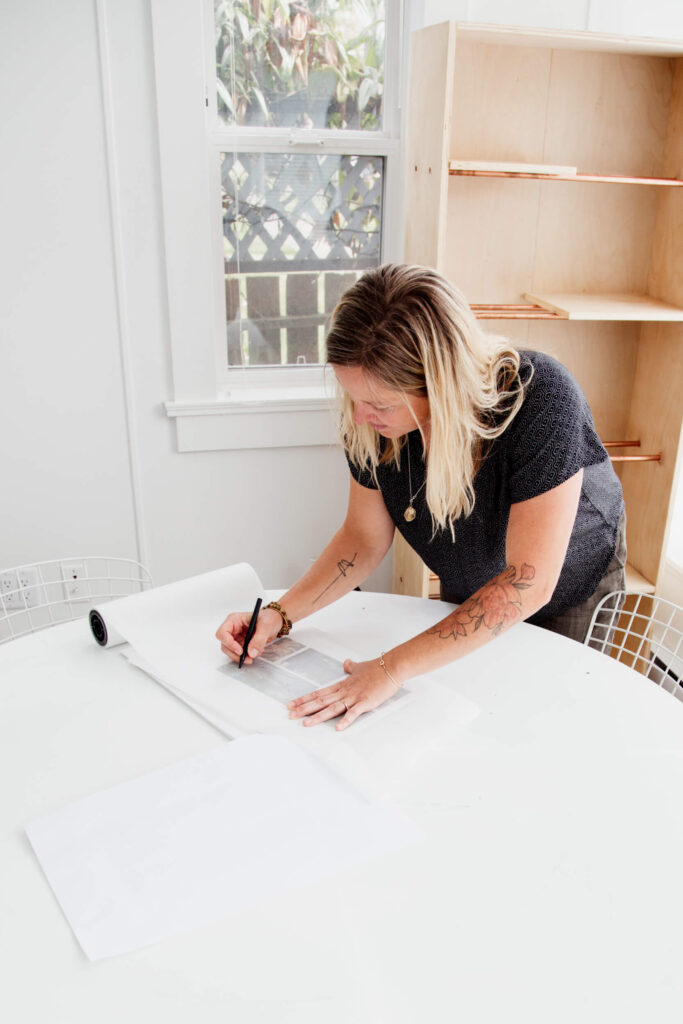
[644, 632]
[42, 594]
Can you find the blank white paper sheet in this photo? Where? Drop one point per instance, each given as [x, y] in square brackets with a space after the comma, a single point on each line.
[196, 841]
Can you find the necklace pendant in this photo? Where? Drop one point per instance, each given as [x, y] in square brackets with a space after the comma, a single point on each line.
[409, 514]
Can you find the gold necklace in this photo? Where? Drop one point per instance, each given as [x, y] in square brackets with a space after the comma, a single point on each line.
[410, 512]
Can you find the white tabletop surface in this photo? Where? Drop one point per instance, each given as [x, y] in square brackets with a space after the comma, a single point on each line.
[549, 885]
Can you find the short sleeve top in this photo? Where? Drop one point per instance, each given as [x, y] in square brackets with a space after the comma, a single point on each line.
[550, 439]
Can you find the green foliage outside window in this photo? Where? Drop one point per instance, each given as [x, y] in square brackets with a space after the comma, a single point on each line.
[305, 64]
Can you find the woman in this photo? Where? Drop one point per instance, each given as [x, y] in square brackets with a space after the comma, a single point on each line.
[485, 459]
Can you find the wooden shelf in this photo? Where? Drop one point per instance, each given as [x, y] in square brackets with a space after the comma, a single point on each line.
[549, 172]
[492, 105]
[508, 170]
[635, 581]
[581, 306]
[608, 306]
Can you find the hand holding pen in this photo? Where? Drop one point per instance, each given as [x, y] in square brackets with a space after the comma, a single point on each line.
[242, 630]
[250, 631]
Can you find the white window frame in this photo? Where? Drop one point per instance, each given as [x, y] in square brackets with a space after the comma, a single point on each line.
[214, 407]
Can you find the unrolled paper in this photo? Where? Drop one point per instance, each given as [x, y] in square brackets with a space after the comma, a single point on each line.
[233, 588]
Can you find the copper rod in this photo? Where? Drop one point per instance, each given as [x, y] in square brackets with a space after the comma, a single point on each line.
[636, 458]
[617, 179]
[621, 444]
[503, 314]
[513, 311]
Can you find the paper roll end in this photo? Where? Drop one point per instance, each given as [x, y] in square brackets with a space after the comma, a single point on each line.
[98, 628]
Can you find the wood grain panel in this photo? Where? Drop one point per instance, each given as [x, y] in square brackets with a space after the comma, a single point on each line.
[594, 237]
[499, 103]
[429, 114]
[657, 408]
[487, 220]
[607, 112]
[410, 574]
[656, 417]
[666, 273]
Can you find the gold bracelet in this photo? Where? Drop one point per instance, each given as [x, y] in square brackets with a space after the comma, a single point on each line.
[394, 681]
[286, 621]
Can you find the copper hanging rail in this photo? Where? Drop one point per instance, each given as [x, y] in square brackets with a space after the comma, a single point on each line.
[637, 458]
[631, 458]
[512, 311]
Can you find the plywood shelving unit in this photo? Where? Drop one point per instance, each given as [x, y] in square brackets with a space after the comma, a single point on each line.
[545, 179]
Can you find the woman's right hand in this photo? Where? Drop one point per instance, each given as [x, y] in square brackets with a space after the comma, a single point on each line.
[233, 631]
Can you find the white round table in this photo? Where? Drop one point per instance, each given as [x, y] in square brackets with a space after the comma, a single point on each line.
[548, 887]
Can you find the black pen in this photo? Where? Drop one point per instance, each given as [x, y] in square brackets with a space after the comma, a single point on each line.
[250, 630]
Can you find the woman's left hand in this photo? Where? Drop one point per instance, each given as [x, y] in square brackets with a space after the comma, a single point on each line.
[365, 687]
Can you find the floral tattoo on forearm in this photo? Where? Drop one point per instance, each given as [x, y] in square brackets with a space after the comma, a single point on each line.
[497, 605]
[343, 565]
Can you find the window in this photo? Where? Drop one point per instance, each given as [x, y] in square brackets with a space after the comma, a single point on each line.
[279, 147]
[297, 227]
[297, 230]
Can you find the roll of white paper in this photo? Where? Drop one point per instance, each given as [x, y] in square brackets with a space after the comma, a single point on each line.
[103, 631]
[146, 619]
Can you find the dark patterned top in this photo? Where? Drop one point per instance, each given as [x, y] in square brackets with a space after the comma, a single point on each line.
[550, 439]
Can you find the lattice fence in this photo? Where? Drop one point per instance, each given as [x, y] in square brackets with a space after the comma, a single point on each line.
[298, 229]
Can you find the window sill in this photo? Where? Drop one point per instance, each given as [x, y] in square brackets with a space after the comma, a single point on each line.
[255, 418]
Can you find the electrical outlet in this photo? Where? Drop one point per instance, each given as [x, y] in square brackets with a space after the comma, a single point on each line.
[75, 581]
[9, 587]
[29, 581]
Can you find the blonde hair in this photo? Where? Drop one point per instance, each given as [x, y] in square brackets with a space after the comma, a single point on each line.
[413, 332]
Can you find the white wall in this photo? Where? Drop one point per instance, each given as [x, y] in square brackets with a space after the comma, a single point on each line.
[65, 481]
[88, 455]
[275, 508]
[662, 19]
[66, 478]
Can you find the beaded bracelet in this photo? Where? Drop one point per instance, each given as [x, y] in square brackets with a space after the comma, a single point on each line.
[286, 621]
[381, 661]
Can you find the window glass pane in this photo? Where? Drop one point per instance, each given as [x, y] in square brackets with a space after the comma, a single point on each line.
[309, 64]
[298, 229]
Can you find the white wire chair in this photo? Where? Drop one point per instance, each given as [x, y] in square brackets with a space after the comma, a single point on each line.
[41, 594]
[644, 632]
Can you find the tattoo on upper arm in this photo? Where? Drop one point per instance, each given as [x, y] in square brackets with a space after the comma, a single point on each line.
[496, 605]
[343, 565]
